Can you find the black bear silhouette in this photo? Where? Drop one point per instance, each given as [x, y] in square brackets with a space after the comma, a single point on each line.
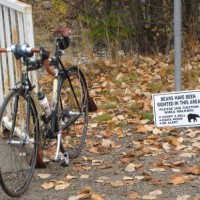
[192, 116]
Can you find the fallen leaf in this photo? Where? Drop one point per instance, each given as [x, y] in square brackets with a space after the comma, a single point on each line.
[48, 185]
[106, 143]
[158, 169]
[183, 197]
[130, 167]
[62, 186]
[132, 195]
[94, 125]
[141, 129]
[85, 193]
[106, 166]
[119, 76]
[193, 170]
[179, 163]
[166, 146]
[156, 131]
[116, 184]
[85, 176]
[126, 178]
[96, 196]
[73, 198]
[43, 176]
[152, 195]
[179, 179]
[70, 177]
[96, 162]
[175, 142]
[94, 150]
[139, 177]
[187, 155]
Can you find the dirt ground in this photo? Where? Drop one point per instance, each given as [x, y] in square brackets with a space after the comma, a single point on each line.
[132, 161]
[105, 174]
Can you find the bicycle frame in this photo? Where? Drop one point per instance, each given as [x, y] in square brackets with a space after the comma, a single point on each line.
[25, 85]
[28, 123]
[55, 133]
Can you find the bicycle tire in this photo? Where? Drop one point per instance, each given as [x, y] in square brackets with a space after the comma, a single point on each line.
[17, 158]
[74, 136]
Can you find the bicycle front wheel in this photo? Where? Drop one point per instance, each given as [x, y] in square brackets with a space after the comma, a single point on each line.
[72, 111]
[18, 143]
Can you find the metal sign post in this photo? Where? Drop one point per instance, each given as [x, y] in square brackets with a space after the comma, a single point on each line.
[177, 44]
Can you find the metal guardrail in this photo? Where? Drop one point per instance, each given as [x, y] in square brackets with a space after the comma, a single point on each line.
[16, 26]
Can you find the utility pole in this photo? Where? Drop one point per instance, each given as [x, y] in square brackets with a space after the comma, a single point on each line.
[177, 44]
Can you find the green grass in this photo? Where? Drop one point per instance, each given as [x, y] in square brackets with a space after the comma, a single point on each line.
[104, 117]
[133, 107]
[155, 87]
[148, 115]
[121, 124]
[108, 106]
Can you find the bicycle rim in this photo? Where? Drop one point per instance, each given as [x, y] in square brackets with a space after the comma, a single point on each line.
[70, 107]
[18, 143]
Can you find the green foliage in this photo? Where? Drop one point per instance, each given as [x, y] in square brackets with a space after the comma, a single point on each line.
[109, 106]
[155, 87]
[60, 7]
[148, 115]
[121, 124]
[110, 29]
[104, 117]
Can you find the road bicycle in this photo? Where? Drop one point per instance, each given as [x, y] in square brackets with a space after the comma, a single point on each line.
[28, 124]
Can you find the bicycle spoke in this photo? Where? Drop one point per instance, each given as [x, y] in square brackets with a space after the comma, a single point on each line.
[17, 148]
[73, 112]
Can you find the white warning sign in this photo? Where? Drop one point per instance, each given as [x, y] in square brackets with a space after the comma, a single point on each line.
[179, 109]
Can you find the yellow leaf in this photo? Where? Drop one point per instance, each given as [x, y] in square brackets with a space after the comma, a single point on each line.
[94, 150]
[48, 185]
[96, 196]
[90, 54]
[85, 176]
[62, 186]
[162, 72]
[157, 169]
[178, 179]
[70, 177]
[96, 162]
[133, 195]
[116, 184]
[86, 190]
[94, 125]
[141, 129]
[43, 176]
[156, 131]
[152, 195]
[127, 178]
[193, 170]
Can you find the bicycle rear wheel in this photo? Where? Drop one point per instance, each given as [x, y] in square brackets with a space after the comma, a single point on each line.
[18, 143]
[73, 107]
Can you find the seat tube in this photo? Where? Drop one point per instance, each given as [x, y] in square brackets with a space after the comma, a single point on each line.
[54, 103]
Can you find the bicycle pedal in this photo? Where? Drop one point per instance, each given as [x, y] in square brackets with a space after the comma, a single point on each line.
[64, 160]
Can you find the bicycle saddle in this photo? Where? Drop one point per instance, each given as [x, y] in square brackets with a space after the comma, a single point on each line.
[64, 31]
